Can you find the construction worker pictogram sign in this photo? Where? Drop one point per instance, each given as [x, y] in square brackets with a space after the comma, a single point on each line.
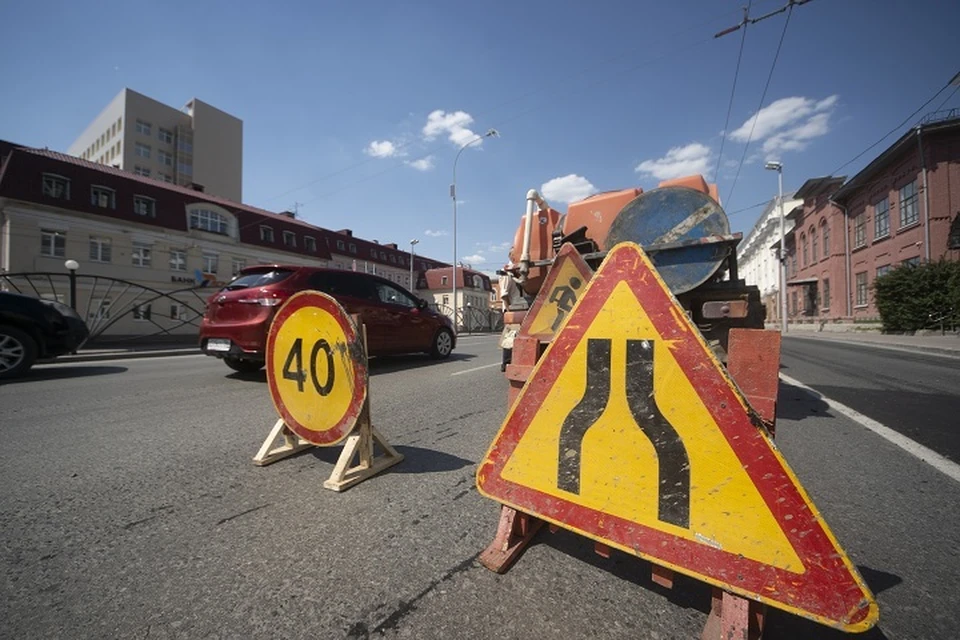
[316, 368]
[564, 283]
[630, 432]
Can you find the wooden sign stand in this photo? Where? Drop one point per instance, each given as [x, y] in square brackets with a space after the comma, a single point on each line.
[359, 444]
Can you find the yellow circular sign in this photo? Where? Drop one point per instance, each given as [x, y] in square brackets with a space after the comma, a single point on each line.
[316, 368]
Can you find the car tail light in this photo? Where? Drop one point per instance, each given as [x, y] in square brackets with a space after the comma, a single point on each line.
[263, 302]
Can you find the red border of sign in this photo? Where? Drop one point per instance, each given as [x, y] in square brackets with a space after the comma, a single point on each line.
[339, 431]
[567, 252]
[829, 591]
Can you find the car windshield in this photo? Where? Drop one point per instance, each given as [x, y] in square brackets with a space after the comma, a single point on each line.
[259, 279]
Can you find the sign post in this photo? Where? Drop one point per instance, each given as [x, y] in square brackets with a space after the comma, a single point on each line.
[318, 380]
[631, 433]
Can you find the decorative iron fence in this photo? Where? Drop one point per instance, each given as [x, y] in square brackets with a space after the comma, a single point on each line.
[472, 320]
[116, 310]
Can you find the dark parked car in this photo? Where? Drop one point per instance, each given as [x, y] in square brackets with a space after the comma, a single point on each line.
[31, 328]
[238, 317]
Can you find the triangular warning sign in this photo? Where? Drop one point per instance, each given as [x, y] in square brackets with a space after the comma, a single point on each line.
[630, 432]
[565, 282]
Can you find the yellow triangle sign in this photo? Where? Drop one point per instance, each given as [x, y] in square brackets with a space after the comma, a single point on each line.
[630, 432]
[564, 283]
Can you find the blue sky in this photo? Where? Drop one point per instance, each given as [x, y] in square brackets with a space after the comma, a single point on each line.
[355, 109]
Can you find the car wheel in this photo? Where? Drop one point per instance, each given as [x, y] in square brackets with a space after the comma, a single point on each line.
[18, 351]
[243, 366]
[442, 344]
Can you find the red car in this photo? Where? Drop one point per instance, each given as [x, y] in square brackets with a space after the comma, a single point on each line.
[238, 317]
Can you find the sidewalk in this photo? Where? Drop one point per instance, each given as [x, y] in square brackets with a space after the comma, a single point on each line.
[944, 345]
[124, 350]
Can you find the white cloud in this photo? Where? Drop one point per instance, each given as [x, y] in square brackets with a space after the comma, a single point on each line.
[454, 125]
[788, 124]
[477, 258]
[422, 164]
[567, 189]
[435, 234]
[679, 161]
[381, 149]
[496, 247]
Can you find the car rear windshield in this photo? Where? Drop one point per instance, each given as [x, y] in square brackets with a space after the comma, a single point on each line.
[259, 279]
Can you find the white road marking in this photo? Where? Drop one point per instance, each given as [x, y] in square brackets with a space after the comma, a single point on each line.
[931, 457]
[486, 366]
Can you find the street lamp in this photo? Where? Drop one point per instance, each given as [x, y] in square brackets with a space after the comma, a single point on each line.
[491, 133]
[778, 167]
[413, 243]
[72, 266]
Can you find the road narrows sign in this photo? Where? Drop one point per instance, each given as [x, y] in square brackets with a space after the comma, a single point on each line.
[316, 368]
[564, 283]
[630, 432]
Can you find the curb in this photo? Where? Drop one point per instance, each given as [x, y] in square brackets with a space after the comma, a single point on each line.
[896, 346]
[122, 355]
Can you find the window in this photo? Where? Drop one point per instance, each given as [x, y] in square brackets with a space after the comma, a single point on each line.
[391, 295]
[141, 312]
[353, 248]
[185, 168]
[814, 245]
[141, 254]
[793, 302]
[793, 262]
[55, 186]
[373, 253]
[881, 219]
[909, 211]
[446, 300]
[861, 289]
[142, 171]
[207, 220]
[164, 135]
[383, 255]
[912, 262]
[443, 280]
[290, 239]
[185, 146]
[165, 158]
[178, 311]
[166, 177]
[883, 270]
[178, 259]
[826, 295]
[100, 249]
[237, 265]
[266, 233]
[99, 309]
[142, 150]
[393, 258]
[859, 231]
[340, 245]
[143, 127]
[144, 206]
[803, 247]
[210, 262]
[53, 243]
[310, 243]
[825, 229]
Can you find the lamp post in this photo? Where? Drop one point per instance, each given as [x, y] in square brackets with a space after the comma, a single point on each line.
[72, 266]
[413, 243]
[491, 133]
[778, 167]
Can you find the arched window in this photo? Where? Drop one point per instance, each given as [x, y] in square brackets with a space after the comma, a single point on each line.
[210, 218]
[825, 232]
[815, 245]
[804, 256]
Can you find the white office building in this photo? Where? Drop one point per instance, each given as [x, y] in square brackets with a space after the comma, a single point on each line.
[757, 253]
[198, 145]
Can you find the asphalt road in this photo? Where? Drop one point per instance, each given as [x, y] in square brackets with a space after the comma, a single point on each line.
[131, 509]
[916, 394]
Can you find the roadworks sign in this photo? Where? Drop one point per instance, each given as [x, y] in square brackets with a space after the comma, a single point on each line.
[564, 283]
[630, 432]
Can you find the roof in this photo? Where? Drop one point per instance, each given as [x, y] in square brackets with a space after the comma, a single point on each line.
[892, 153]
[815, 187]
[434, 278]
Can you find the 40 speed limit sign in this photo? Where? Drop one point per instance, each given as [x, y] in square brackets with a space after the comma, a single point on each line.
[316, 368]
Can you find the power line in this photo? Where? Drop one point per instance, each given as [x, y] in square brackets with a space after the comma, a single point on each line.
[733, 89]
[763, 96]
[896, 128]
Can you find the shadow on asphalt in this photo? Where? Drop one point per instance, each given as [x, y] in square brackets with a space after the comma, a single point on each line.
[376, 366]
[58, 373]
[795, 403]
[420, 460]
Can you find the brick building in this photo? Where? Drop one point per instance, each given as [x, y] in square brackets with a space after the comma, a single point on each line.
[903, 208]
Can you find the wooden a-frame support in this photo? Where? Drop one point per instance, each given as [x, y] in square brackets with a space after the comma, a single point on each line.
[753, 361]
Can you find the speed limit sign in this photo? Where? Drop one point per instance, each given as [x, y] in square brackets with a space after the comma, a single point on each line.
[316, 368]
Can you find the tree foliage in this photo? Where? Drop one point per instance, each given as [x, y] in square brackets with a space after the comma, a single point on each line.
[911, 298]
